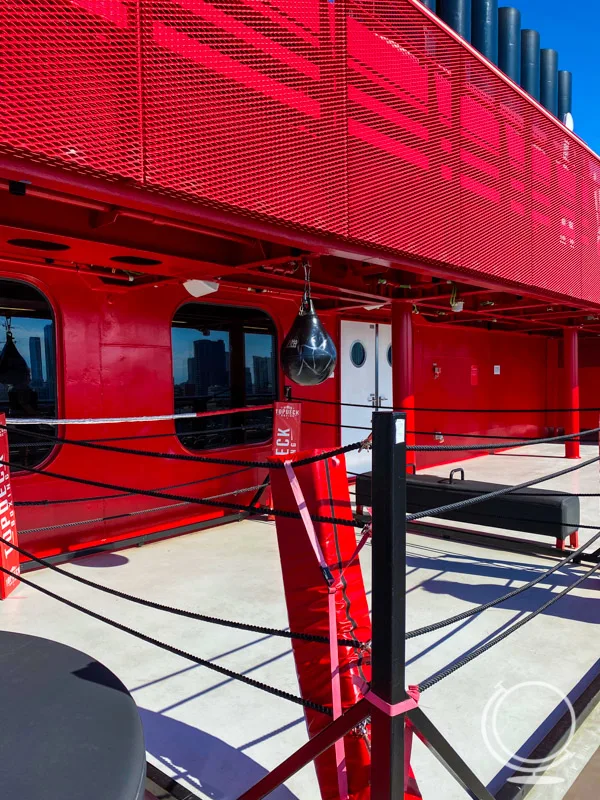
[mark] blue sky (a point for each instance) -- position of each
(572, 27)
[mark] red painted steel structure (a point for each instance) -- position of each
(114, 359)
(572, 389)
(183, 130)
(371, 125)
(403, 364)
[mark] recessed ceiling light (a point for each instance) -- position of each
(136, 261)
(38, 244)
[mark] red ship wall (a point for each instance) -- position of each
(114, 360)
(480, 372)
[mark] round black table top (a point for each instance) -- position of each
(70, 730)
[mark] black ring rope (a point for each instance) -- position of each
(122, 515)
(516, 440)
(500, 443)
(251, 509)
(570, 524)
(433, 448)
(436, 512)
(49, 502)
(184, 457)
(423, 686)
(211, 432)
(543, 493)
(505, 517)
(444, 673)
(292, 634)
(498, 437)
(93, 520)
(335, 425)
(435, 626)
(134, 513)
(175, 650)
(207, 432)
(181, 612)
(449, 410)
(527, 439)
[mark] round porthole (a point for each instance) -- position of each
(358, 354)
(389, 355)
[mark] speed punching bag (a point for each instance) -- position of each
(308, 354)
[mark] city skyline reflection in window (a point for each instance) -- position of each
(27, 369)
(223, 358)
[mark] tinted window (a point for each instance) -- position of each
(27, 369)
(358, 354)
(223, 358)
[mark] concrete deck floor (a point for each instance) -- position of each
(217, 736)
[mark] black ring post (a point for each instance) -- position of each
(389, 601)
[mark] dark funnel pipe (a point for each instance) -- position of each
(549, 80)
(530, 62)
(457, 14)
(509, 42)
(565, 93)
(429, 3)
(484, 28)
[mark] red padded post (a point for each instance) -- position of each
(324, 485)
(9, 558)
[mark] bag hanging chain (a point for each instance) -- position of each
(306, 304)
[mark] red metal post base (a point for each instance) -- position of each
(574, 540)
(561, 544)
(308, 752)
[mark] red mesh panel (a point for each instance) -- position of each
(555, 210)
(70, 86)
(245, 106)
(403, 162)
(365, 120)
(494, 204)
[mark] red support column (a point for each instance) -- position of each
(403, 367)
(571, 394)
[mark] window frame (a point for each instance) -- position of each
(237, 391)
(364, 353)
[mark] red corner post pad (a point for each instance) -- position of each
(325, 596)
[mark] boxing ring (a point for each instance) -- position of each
(223, 148)
(329, 506)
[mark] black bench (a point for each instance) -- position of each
(546, 514)
(70, 729)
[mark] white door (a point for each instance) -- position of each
(384, 365)
(358, 360)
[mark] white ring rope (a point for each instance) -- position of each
(116, 420)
